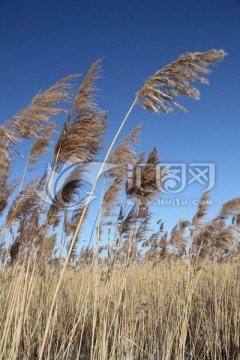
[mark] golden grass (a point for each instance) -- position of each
(165, 312)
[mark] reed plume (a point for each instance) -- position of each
(144, 186)
(24, 212)
(202, 210)
(25, 204)
(31, 121)
(81, 137)
(177, 237)
(143, 189)
(70, 227)
(159, 92)
(6, 191)
(127, 224)
(157, 243)
(143, 220)
(123, 156)
(214, 240)
(163, 246)
(231, 208)
(225, 240)
(7, 140)
(40, 145)
(228, 238)
(65, 196)
(197, 224)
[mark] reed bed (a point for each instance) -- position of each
(145, 313)
(139, 292)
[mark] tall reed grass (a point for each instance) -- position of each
(140, 293)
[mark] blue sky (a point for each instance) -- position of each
(43, 41)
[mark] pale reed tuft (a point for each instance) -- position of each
(86, 124)
(30, 122)
(123, 156)
(159, 91)
(230, 208)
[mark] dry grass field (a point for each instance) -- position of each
(163, 312)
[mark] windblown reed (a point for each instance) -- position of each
(141, 293)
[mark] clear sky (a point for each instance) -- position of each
(43, 41)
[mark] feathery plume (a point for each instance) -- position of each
(143, 219)
(39, 147)
(126, 226)
(202, 210)
(213, 240)
(65, 196)
(24, 210)
(5, 193)
(70, 227)
(159, 92)
(25, 204)
(123, 157)
(31, 121)
(177, 238)
(82, 134)
(163, 246)
(6, 189)
(230, 208)
(144, 179)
